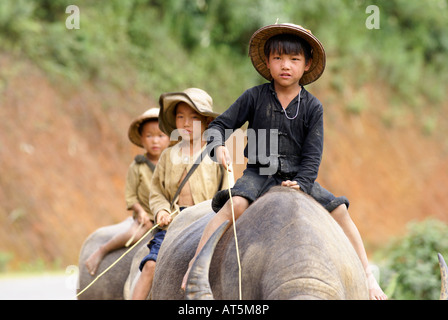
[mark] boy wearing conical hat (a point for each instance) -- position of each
(144, 132)
(290, 57)
(184, 115)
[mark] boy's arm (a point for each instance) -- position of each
(157, 197)
(142, 215)
(233, 118)
(311, 152)
(130, 191)
(131, 196)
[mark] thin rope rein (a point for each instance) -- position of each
(134, 235)
(236, 237)
(155, 226)
(121, 257)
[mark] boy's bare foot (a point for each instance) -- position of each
(375, 292)
(93, 261)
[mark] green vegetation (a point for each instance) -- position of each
(152, 46)
(164, 45)
(411, 265)
(5, 257)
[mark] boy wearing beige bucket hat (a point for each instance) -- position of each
(289, 56)
(184, 115)
(144, 132)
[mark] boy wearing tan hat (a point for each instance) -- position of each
(144, 132)
(184, 115)
(290, 57)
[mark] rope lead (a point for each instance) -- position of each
(230, 178)
(236, 238)
(121, 257)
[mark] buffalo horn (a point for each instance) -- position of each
(198, 285)
(444, 278)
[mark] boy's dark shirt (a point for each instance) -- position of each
(300, 141)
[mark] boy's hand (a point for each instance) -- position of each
(143, 217)
(291, 184)
(164, 218)
(223, 157)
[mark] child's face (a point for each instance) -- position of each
(153, 140)
(287, 69)
(188, 119)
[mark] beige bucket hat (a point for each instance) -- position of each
(259, 38)
(133, 132)
(196, 98)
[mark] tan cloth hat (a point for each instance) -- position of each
(133, 132)
(259, 38)
(196, 98)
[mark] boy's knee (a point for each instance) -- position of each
(240, 204)
(149, 266)
(341, 212)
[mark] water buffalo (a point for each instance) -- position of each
(290, 248)
(118, 283)
(110, 286)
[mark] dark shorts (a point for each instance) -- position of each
(252, 185)
(154, 247)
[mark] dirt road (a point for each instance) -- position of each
(41, 287)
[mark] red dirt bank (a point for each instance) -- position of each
(64, 155)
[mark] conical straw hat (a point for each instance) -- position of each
(259, 38)
(196, 98)
(133, 132)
